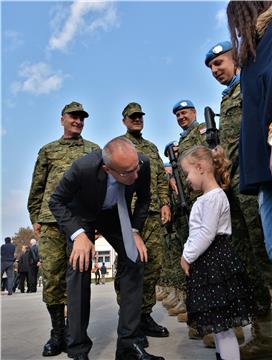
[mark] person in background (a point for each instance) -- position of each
(7, 259)
(103, 273)
(24, 269)
(34, 263)
(97, 274)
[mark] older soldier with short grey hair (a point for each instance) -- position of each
(53, 160)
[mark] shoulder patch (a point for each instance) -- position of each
(202, 129)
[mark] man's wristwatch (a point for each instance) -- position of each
(135, 230)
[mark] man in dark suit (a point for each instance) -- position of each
(7, 259)
(88, 199)
(34, 264)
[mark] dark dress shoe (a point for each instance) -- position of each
(142, 340)
(135, 352)
(81, 356)
(150, 328)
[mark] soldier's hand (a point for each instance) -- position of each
(37, 229)
(165, 214)
(172, 183)
(140, 247)
(83, 251)
(185, 265)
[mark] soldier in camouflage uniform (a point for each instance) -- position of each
(53, 160)
(247, 236)
(193, 133)
(158, 215)
(172, 274)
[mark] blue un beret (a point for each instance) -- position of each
(217, 50)
(183, 104)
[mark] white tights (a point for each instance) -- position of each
(227, 345)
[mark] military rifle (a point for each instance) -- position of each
(212, 133)
(169, 152)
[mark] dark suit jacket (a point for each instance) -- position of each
(79, 197)
(7, 252)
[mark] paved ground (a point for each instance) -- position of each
(25, 328)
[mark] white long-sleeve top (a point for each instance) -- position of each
(210, 216)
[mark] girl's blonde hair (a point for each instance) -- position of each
(215, 157)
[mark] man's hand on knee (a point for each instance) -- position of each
(83, 251)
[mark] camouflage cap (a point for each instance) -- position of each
(132, 108)
(74, 107)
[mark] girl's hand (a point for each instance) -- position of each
(185, 266)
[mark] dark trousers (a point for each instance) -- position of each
(33, 273)
(131, 287)
(8, 268)
(23, 275)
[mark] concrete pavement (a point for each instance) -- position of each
(25, 328)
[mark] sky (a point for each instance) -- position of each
(103, 55)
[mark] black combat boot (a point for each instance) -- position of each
(56, 344)
(149, 327)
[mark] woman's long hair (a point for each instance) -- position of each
(242, 19)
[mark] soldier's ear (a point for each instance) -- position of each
(62, 120)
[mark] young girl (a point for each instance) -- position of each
(219, 296)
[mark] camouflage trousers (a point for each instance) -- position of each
(53, 253)
(172, 273)
(152, 236)
(248, 241)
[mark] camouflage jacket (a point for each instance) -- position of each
(196, 136)
(159, 184)
(230, 123)
(53, 160)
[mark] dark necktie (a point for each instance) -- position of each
(128, 238)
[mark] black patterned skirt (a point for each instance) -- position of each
(219, 294)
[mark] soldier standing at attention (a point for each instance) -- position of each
(193, 133)
(158, 215)
(53, 160)
(247, 236)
